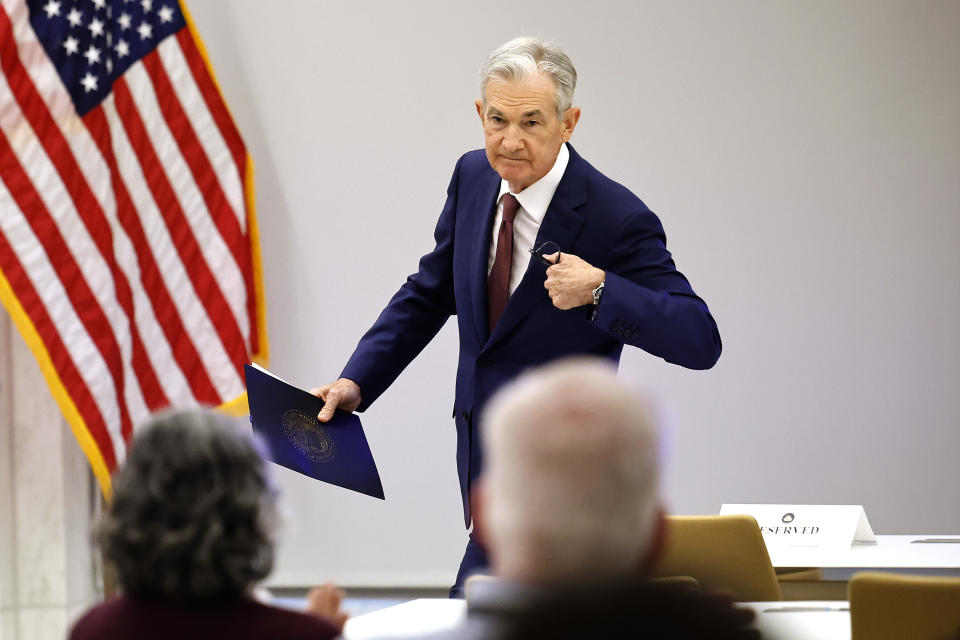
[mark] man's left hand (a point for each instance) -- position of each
(570, 280)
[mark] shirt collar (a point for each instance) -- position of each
(536, 198)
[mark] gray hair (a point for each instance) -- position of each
(571, 474)
(192, 512)
(522, 57)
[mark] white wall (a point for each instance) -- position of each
(48, 572)
(804, 158)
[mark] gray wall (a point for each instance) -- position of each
(804, 158)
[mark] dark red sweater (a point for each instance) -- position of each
(244, 619)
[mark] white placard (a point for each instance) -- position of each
(827, 526)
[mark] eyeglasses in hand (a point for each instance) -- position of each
(544, 250)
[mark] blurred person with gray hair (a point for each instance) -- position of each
(189, 532)
(538, 254)
(568, 507)
(570, 491)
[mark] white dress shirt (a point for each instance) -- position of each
(534, 201)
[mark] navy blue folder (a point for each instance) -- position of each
(286, 417)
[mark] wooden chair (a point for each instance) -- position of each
(888, 606)
(723, 553)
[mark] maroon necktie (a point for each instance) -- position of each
(498, 283)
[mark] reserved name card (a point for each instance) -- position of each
(828, 526)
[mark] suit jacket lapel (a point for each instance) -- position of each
(561, 225)
(484, 213)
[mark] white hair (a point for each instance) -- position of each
(571, 475)
(523, 57)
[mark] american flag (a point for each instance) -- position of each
(128, 246)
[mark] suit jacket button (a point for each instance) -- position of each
(484, 362)
(465, 415)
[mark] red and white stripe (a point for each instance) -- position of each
(124, 234)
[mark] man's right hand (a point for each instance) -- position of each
(342, 394)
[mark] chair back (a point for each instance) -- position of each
(723, 553)
(887, 606)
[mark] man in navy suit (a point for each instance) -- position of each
(538, 254)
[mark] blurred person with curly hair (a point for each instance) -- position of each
(189, 533)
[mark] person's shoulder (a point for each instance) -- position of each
(605, 193)
(474, 163)
(123, 618)
(286, 623)
(683, 613)
(628, 607)
(102, 620)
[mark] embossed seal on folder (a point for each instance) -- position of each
(308, 436)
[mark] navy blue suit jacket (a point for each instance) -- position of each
(646, 302)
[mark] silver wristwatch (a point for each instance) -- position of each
(597, 293)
